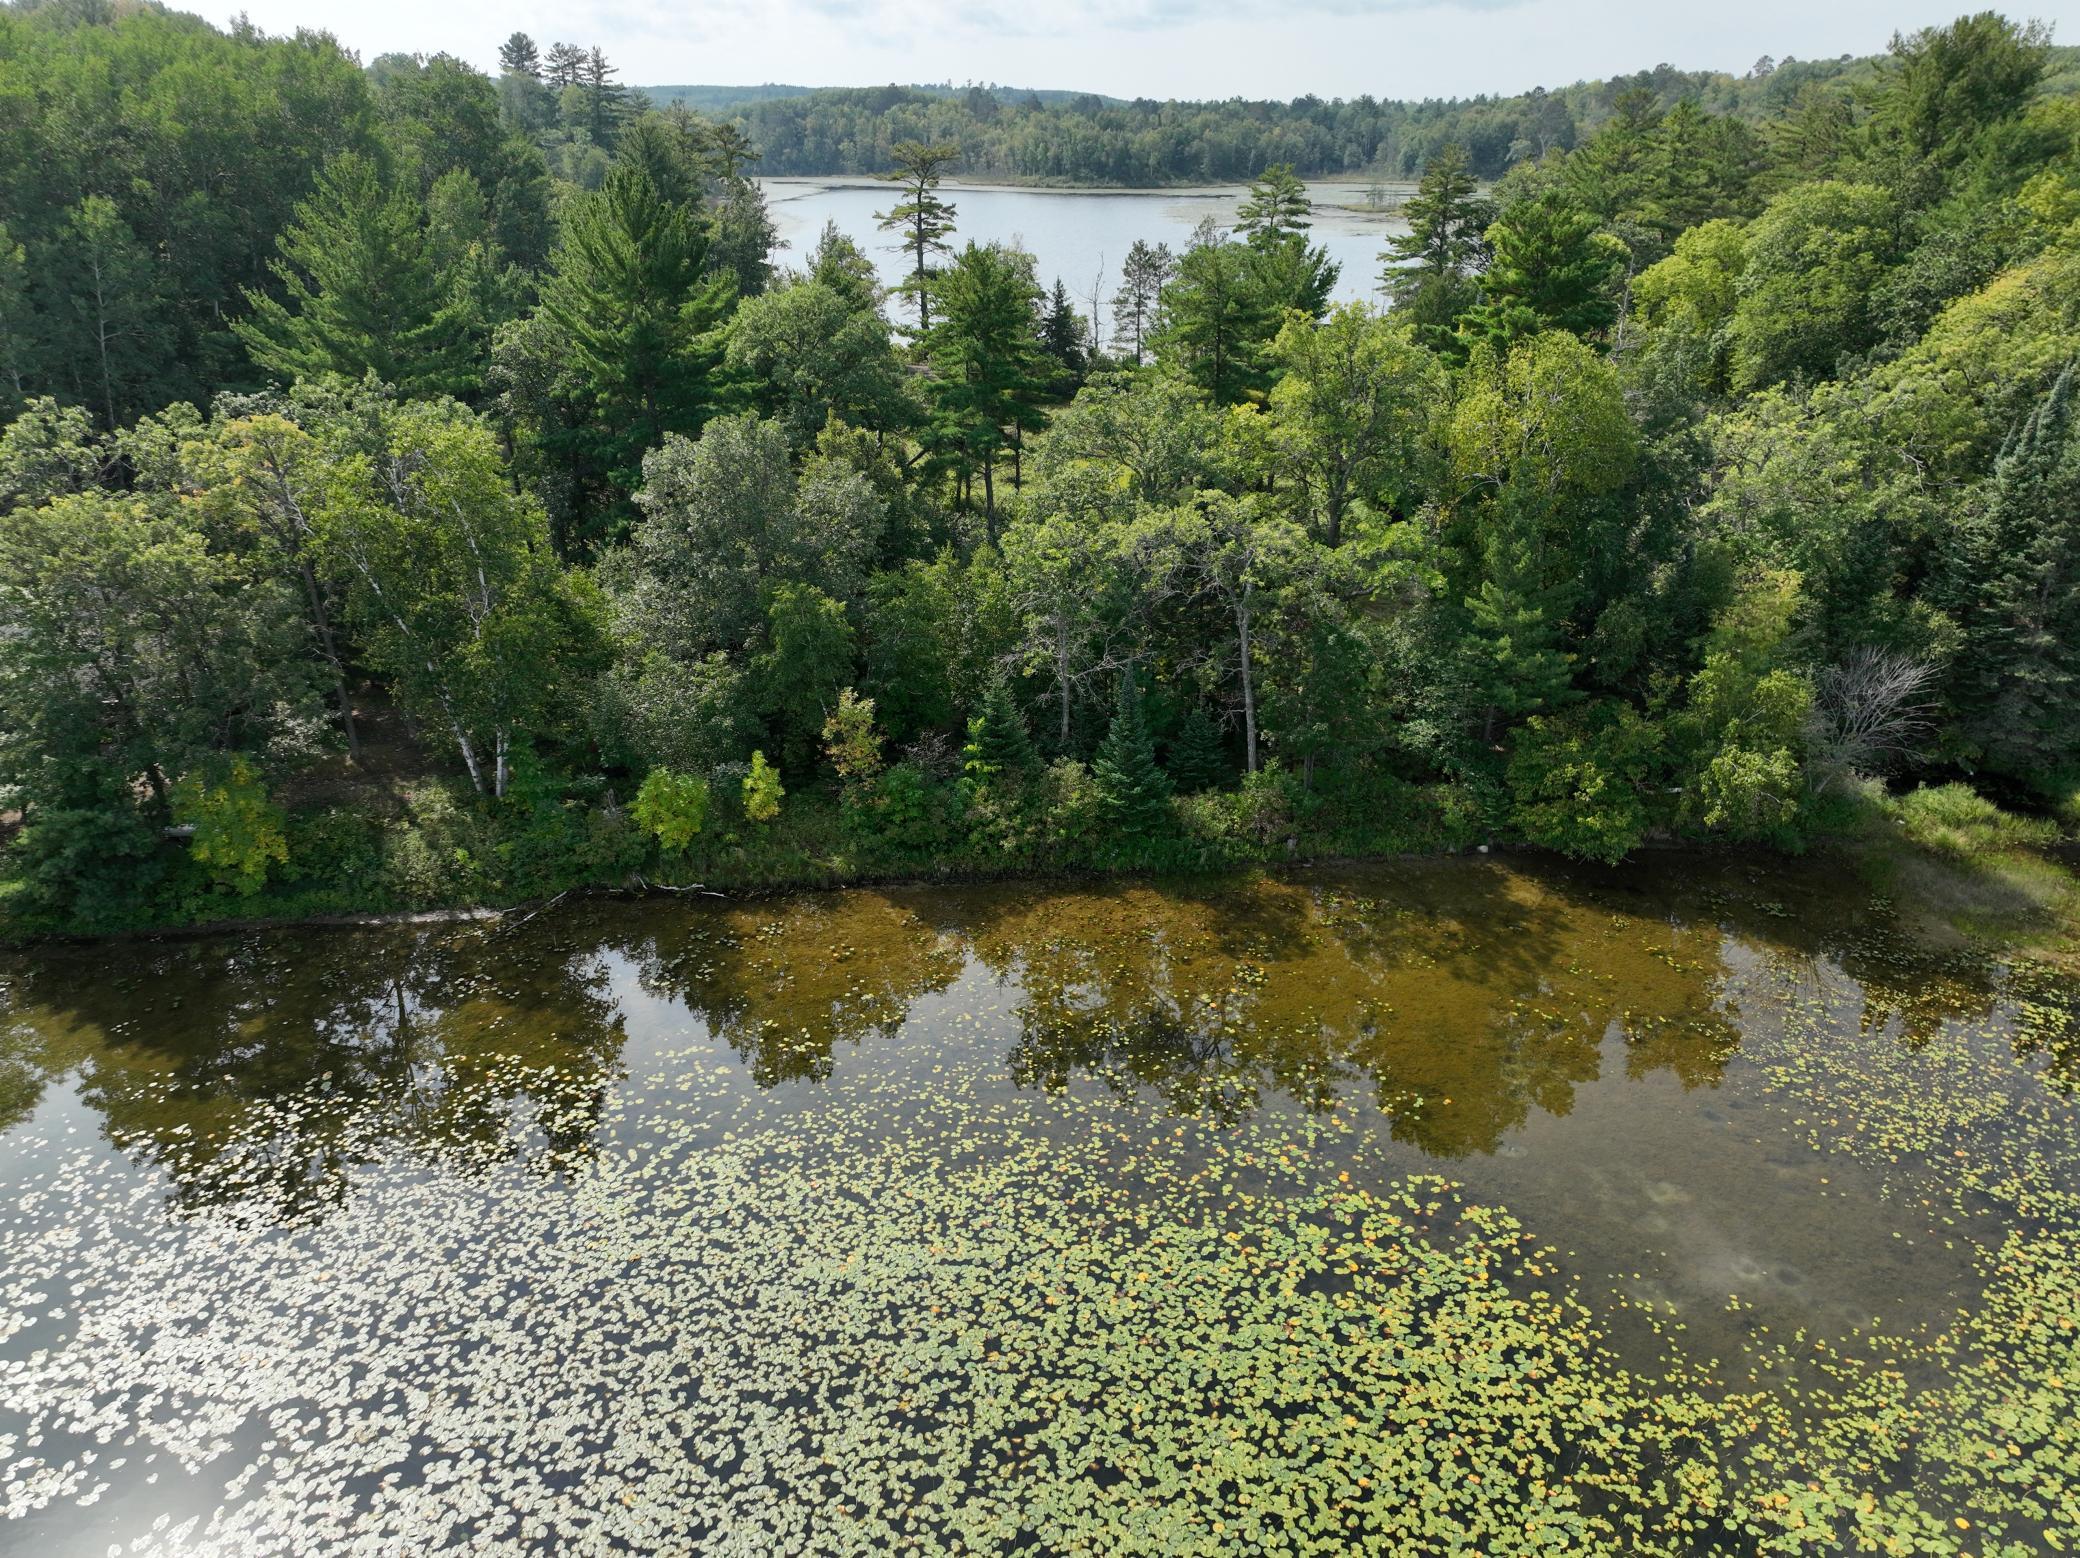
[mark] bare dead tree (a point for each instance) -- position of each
(1870, 711)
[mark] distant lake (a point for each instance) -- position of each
(1076, 234)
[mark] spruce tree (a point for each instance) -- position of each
(1196, 761)
(1061, 337)
(2014, 588)
(1000, 748)
(1133, 793)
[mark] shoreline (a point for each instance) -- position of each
(812, 182)
(2049, 937)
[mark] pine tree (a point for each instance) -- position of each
(517, 56)
(1276, 207)
(1135, 307)
(1429, 269)
(2015, 591)
(564, 66)
(1000, 748)
(363, 293)
(1217, 323)
(1552, 269)
(606, 100)
(924, 220)
(1061, 336)
(1196, 761)
(629, 293)
(986, 356)
(1133, 793)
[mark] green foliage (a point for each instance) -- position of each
(1496, 560)
(807, 661)
(763, 791)
(1133, 792)
(1956, 820)
(1550, 267)
(236, 830)
(1812, 264)
(1195, 761)
(672, 808)
(1353, 416)
(1578, 780)
(1744, 734)
(459, 602)
(810, 354)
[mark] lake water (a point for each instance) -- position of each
(1448, 1206)
(1078, 235)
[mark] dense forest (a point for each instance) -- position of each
(1080, 138)
(424, 487)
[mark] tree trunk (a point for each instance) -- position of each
(469, 755)
(1249, 686)
(323, 623)
(1061, 674)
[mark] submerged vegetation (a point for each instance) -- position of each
(1689, 1211)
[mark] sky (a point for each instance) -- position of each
(1152, 48)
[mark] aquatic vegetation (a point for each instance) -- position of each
(1122, 1221)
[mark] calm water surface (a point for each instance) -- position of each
(1514, 1207)
(1079, 235)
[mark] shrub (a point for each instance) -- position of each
(850, 740)
(672, 808)
(436, 853)
(237, 831)
(908, 811)
(89, 867)
(338, 850)
(763, 791)
(1577, 780)
(1070, 808)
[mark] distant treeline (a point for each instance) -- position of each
(1082, 138)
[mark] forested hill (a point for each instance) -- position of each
(727, 99)
(1079, 137)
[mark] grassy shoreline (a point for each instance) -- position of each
(1989, 884)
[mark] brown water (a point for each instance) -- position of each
(700, 1225)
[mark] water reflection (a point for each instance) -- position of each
(437, 1040)
(1459, 1000)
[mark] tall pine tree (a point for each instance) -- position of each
(629, 294)
(1430, 269)
(361, 292)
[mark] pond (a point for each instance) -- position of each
(1081, 235)
(1458, 1205)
